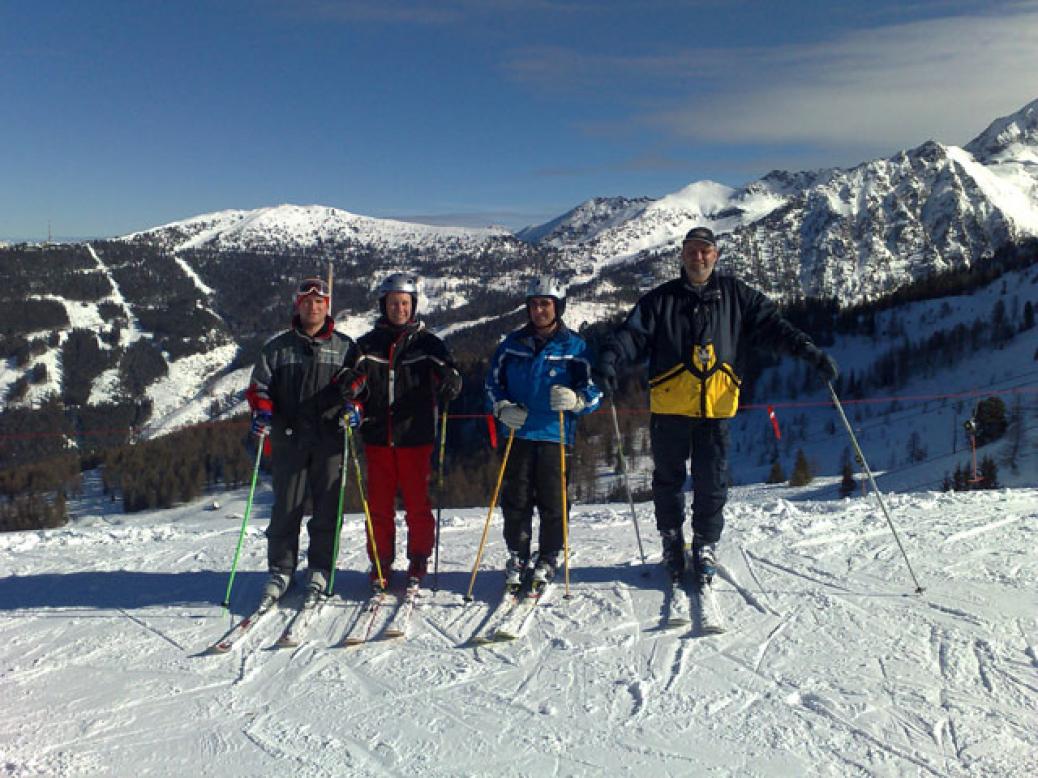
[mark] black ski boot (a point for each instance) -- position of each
(704, 562)
(515, 569)
(544, 571)
(673, 553)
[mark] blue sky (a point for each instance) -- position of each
(118, 116)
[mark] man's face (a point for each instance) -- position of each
(699, 259)
(542, 311)
(312, 310)
(398, 308)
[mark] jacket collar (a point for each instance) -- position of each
(708, 292)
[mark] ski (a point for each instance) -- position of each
(298, 626)
(239, 630)
(364, 627)
(401, 620)
(518, 619)
(509, 602)
(678, 606)
(707, 609)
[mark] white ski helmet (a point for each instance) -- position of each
(548, 286)
(399, 282)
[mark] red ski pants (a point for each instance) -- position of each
(405, 468)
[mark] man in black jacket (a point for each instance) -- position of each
(296, 409)
(407, 369)
(690, 329)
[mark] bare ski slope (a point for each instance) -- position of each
(830, 665)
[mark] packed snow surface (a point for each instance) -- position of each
(831, 664)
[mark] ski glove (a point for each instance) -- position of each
(604, 373)
(820, 361)
(351, 415)
(349, 383)
(511, 415)
(261, 423)
(565, 399)
(450, 385)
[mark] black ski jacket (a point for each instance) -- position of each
(292, 380)
(692, 336)
(404, 367)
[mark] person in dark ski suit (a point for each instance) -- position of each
(407, 370)
(297, 408)
(536, 372)
(691, 329)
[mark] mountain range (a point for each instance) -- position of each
(201, 290)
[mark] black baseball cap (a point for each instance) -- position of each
(703, 234)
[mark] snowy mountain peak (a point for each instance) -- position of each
(294, 227)
(1007, 134)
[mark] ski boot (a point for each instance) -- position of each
(544, 572)
(276, 586)
(381, 584)
(673, 553)
(515, 569)
(704, 562)
(316, 585)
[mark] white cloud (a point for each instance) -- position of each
(891, 86)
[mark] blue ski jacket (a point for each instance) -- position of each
(523, 370)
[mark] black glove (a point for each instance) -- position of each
(450, 385)
(820, 361)
(349, 383)
(604, 373)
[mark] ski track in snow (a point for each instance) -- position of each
(829, 666)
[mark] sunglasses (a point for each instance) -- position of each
(313, 286)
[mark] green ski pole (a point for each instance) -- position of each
(342, 503)
(245, 518)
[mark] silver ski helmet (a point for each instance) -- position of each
(548, 286)
(399, 282)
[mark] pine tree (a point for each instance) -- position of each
(847, 483)
(802, 474)
(776, 475)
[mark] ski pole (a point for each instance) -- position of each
(364, 504)
(342, 501)
(245, 518)
(439, 495)
(562, 478)
(627, 482)
(872, 481)
(490, 513)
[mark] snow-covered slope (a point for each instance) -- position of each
(830, 665)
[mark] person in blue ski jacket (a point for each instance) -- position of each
(538, 371)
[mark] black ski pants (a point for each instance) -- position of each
(674, 439)
(299, 468)
(533, 477)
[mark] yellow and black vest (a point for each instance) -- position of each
(703, 387)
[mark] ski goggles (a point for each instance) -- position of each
(312, 286)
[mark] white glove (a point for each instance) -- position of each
(565, 399)
(511, 415)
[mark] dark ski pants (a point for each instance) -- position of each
(299, 468)
(533, 478)
(674, 439)
(407, 469)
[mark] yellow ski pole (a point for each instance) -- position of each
(364, 504)
(565, 523)
(490, 512)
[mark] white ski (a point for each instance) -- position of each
(364, 627)
(709, 612)
(679, 607)
(509, 602)
(519, 618)
(298, 626)
(238, 631)
(401, 620)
